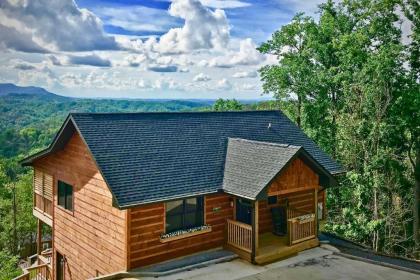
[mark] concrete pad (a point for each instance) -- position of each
(330, 248)
(332, 267)
(228, 270)
(314, 264)
(302, 256)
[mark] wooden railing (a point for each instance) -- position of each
(239, 235)
(293, 212)
(39, 272)
(43, 204)
(301, 228)
(46, 256)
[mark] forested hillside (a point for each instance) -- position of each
(349, 79)
(29, 119)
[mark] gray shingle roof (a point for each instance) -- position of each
(251, 165)
(147, 157)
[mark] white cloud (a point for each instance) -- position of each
(43, 25)
(224, 4)
(203, 28)
(223, 84)
(90, 60)
(247, 55)
(136, 18)
(201, 78)
(249, 87)
(162, 68)
(245, 74)
(22, 65)
(134, 60)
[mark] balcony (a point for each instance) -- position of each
(43, 206)
(43, 209)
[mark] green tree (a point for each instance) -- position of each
(227, 105)
(355, 95)
(8, 267)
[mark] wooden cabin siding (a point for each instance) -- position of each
(147, 223)
(92, 237)
(296, 177)
(303, 200)
(296, 185)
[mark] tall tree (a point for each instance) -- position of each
(290, 78)
(360, 103)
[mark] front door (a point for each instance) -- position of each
(59, 275)
(244, 211)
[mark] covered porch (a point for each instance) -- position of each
(275, 191)
(260, 240)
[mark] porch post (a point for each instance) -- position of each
(254, 230)
(38, 239)
(316, 211)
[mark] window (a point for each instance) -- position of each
(184, 214)
(272, 200)
(65, 195)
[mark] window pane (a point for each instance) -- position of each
(173, 223)
(191, 204)
(69, 197)
(190, 220)
(174, 207)
(272, 200)
(61, 193)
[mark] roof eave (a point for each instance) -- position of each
(30, 159)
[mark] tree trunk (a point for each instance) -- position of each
(14, 209)
(416, 218)
(299, 112)
(375, 217)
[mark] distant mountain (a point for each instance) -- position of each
(12, 89)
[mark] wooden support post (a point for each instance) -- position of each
(254, 231)
(39, 239)
(256, 226)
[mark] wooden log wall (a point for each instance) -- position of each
(295, 185)
(92, 237)
(147, 223)
(296, 177)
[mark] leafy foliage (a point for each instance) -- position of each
(352, 85)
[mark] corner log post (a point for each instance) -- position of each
(254, 231)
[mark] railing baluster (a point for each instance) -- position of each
(239, 235)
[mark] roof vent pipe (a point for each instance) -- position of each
(269, 125)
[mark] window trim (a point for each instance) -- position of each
(184, 212)
(70, 211)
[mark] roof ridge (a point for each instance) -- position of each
(177, 112)
(266, 143)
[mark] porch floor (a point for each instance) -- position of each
(272, 247)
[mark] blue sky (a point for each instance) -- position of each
(141, 49)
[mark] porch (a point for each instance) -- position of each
(258, 241)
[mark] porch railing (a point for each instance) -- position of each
(301, 228)
(239, 235)
(43, 204)
(39, 272)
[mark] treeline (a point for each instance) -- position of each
(28, 123)
(351, 81)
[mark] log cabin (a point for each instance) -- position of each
(119, 191)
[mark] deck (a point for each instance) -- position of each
(272, 247)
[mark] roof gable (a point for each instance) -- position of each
(149, 157)
(251, 165)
